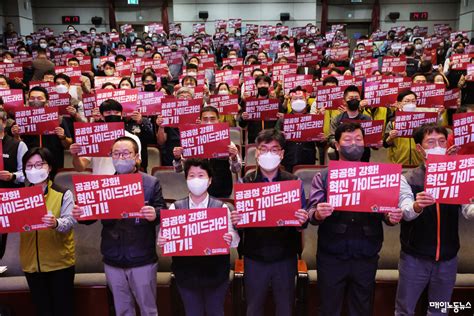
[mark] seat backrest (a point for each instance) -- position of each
(306, 174)
(173, 184)
(68, 159)
(466, 238)
(236, 135)
(250, 151)
(390, 252)
(11, 259)
(87, 239)
(154, 157)
(310, 242)
(64, 178)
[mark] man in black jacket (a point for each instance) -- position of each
(429, 233)
(348, 242)
(128, 245)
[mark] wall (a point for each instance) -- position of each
(258, 12)
(439, 11)
(2, 18)
(466, 16)
(20, 13)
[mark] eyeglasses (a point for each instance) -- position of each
(38, 165)
(432, 143)
(124, 155)
(273, 150)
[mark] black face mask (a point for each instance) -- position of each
(353, 105)
(149, 87)
(113, 118)
(263, 91)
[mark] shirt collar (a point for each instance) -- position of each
(203, 204)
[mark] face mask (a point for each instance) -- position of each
(149, 87)
(23, 53)
(237, 34)
(123, 166)
(138, 43)
(409, 34)
(352, 152)
(36, 176)
(269, 161)
(97, 50)
(61, 88)
(140, 54)
(460, 51)
(66, 49)
(353, 105)
(92, 33)
(29, 42)
(109, 72)
(409, 107)
(435, 151)
(223, 92)
(154, 39)
(36, 104)
(113, 118)
(179, 42)
(298, 105)
(418, 47)
(312, 31)
(71, 30)
(263, 91)
(192, 74)
(8, 61)
(311, 46)
(197, 186)
(43, 45)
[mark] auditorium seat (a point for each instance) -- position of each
(306, 173)
(68, 159)
(63, 177)
(250, 151)
(154, 156)
(236, 136)
(173, 184)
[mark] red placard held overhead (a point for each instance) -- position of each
(21, 209)
(309, 59)
(450, 179)
(12, 99)
(292, 81)
(128, 98)
(149, 103)
(179, 111)
(261, 109)
(460, 61)
(381, 94)
(373, 131)
(338, 54)
(452, 98)
(205, 140)
(109, 197)
(429, 95)
(268, 204)
(303, 128)
(196, 232)
(89, 103)
(37, 121)
(363, 186)
(365, 67)
(226, 104)
(463, 130)
(97, 138)
(279, 71)
(406, 122)
(330, 97)
(11, 70)
(394, 64)
(231, 77)
(72, 72)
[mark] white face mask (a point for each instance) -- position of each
(223, 92)
(298, 105)
(43, 45)
(197, 186)
(8, 61)
(409, 107)
(61, 88)
(418, 47)
(109, 72)
(311, 46)
(435, 151)
(269, 161)
(36, 176)
(140, 54)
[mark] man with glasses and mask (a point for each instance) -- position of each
(110, 111)
(270, 254)
(429, 232)
(130, 264)
(348, 242)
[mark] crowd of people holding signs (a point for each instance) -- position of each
(299, 96)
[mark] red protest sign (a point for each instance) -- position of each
(21, 209)
(373, 131)
(450, 179)
(72, 72)
(85, 63)
(279, 71)
(249, 87)
(196, 232)
(99, 81)
(460, 61)
(89, 103)
(261, 109)
(231, 77)
(11, 70)
(205, 140)
(12, 99)
(61, 101)
(149, 103)
(365, 67)
(363, 186)
(97, 138)
(236, 63)
(330, 97)
(248, 69)
(406, 122)
(309, 59)
(452, 98)
(394, 64)
(303, 128)
(123, 68)
(1, 156)
(338, 54)
(429, 95)
(292, 81)
(268, 204)
(463, 130)
(179, 111)
(127, 97)
(109, 197)
(363, 53)
(381, 94)
(226, 104)
(37, 121)
(470, 72)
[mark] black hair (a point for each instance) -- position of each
(148, 74)
(457, 44)
(265, 78)
(257, 69)
(128, 139)
(189, 77)
(78, 50)
(420, 132)
(192, 66)
(351, 88)
(110, 105)
(200, 163)
(107, 84)
(62, 76)
(120, 56)
(73, 59)
(209, 108)
(45, 154)
(268, 135)
(330, 79)
(404, 93)
(109, 63)
(418, 74)
(128, 80)
(40, 89)
(222, 84)
(347, 127)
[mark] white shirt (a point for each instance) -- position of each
(204, 204)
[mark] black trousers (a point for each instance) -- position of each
(354, 277)
(52, 292)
